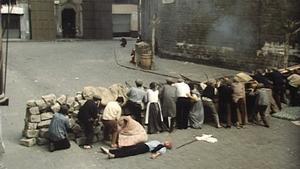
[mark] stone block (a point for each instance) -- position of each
(55, 108)
(72, 122)
(30, 133)
(28, 142)
(70, 101)
(30, 126)
(78, 97)
(81, 102)
(46, 116)
(42, 141)
(49, 99)
(62, 99)
(44, 133)
(34, 110)
(30, 103)
(44, 124)
(41, 104)
(76, 106)
(75, 113)
(34, 118)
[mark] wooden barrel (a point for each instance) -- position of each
(146, 61)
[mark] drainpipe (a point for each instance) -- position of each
(3, 99)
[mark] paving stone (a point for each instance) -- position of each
(70, 101)
(62, 99)
(30, 103)
(41, 104)
(42, 141)
(46, 116)
(44, 133)
(44, 124)
(34, 118)
(81, 102)
(29, 142)
(34, 110)
(55, 108)
(76, 106)
(31, 126)
(78, 96)
(75, 113)
(49, 99)
(30, 133)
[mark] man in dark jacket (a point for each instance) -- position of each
(87, 116)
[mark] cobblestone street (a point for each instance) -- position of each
(40, 68)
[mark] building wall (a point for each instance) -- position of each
(42, 19)
(226, 33)
(97, 19)
(132, 11)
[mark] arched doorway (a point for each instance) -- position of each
(69, 23)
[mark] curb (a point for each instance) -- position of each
(140, 69)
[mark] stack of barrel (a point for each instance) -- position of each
(143, 54)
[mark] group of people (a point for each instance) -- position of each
(176, 104)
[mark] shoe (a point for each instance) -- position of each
(87, 147)
(219, 126)
(51, 147)
(114, 146)
(227, 126)
(104, 150)
(110, 155)
(267, 125)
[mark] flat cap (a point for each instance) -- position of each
(97, 97)
(138, 82)
(180, 80)
(170, 80)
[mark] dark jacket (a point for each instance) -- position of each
(88, 112)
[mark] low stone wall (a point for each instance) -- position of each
(39, 113)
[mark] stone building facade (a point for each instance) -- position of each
(87, 19)
(241, 34)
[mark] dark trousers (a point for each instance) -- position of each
(110, 127)
(88, 131)
(227, 109)
(61, 144)
(261, 109)
(171, 125)
(294, 96)
(277, 97)
(182, 112)
(135, 110)
(140, 148)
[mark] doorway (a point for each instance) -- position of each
(68, 23)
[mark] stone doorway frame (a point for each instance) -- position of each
(76, 5)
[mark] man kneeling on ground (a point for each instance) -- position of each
(155, 147)
(58, 129)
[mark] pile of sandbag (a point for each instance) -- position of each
(40, 112)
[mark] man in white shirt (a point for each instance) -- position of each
(111, 114)
(182, 104)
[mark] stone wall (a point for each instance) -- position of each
(42, 19)
(39, 113)
(224, 33)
